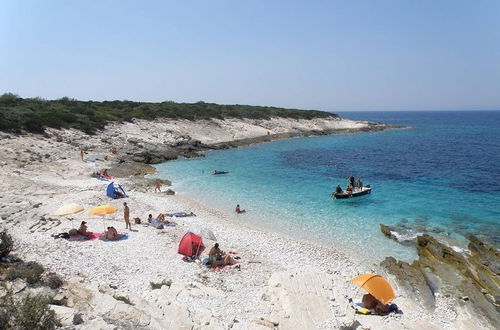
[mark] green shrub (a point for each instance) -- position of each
(124, 299)
(30, 271)
(6, 244)
(158, 285)
(34, 313)
(53, 281)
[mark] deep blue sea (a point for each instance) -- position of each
(440, 175)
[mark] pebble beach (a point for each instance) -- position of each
(282, 282)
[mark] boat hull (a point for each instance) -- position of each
(365, 191)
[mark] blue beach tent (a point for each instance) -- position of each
(115, 191)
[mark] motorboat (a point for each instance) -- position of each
(219, 172)
(356, 192)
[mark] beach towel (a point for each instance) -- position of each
(92, 237)
(125, 236)
(174, 214)
(102, 179)
(360, 309)
(156, 224)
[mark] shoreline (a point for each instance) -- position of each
(268, 287)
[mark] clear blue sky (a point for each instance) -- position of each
(329, 55)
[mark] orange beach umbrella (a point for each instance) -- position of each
(377, 286)
(102, 210)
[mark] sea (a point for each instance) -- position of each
(439, 175)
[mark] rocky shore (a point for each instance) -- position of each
(470, 275)
(142, 282)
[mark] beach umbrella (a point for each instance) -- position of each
(377, 286)
(68, 209)
(103, 210)
(203, 232)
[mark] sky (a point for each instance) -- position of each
(328, 55)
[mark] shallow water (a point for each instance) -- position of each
(440, 174)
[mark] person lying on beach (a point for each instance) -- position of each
(83, 229)
(217, 257)
(370, 302)
(181, 214)
(112, 234)
(161, 218)
(238, 210)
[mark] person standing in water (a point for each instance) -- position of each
(126, 215)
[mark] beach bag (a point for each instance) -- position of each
(73, 232)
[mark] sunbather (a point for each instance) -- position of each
(217, 257)
(83, 229)
(370, 302)
(112, 234)
(181, 214)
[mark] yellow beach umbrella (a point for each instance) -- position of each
(68, 209)
(102, 210)
(377, 286)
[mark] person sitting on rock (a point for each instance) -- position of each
(83, 230)
(217, 257)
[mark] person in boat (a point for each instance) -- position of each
(360, 184)
(239, 210)
(349, 189)
(351, 180)
(338, 190)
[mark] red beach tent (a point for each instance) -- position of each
(191, 245)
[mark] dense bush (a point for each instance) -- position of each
(53, 281)
(6, 244)
(30, 271)
(34, 114)
(32, 312)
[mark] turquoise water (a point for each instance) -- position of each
(440, 174)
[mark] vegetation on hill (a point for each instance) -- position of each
(35, 114)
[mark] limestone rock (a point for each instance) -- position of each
(412, 279)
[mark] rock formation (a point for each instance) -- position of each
(473, 279)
